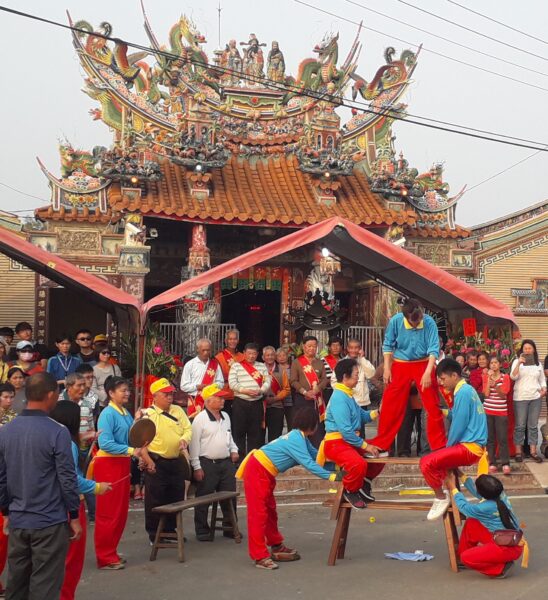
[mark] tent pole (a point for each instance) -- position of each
(140, 354)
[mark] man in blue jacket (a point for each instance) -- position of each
(466, 439)
(38, 494)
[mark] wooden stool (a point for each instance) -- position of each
(177, 508)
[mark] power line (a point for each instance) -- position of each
(493, 39)
(498, 22)
(389, 112)
(440, 37)
(501, 172)
(22, 193)
(436, 53)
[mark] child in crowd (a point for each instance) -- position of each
(7, 394)
(496, 387)
(466, 438)
(478, 548)
(259, 470)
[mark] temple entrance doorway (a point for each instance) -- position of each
(256, 314)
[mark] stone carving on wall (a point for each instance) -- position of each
(78, 241)
(437, 254)
(532, 301)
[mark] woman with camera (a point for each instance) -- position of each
(529, 389)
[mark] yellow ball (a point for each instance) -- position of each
(371, 519)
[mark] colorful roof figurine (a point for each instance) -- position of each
(237, 139)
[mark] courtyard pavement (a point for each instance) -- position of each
(222, 570)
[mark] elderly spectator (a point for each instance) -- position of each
(38, 489)
(366, 371)
(250, 381)
(101, 372)
(276, 395)
(173, 434)
(198, 373)
(330, 360)
(471, 364)
(90, 399)
(7, 414)
(212, 454)
(226, 358)
(17, 377)
(309, 380)
(282, 358)
(63, 363)
(4, 366)
(84, 339)
(529, 389)
(23, 331)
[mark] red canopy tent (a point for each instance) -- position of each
(381, 260)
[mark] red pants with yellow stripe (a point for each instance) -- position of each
(478, 551)
(112, 508)
(74, 563)
(3, 548)
(262, 517)
(352, 462)
(394, 404)
(434, 466)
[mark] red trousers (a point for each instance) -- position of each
(112, 508)
(394, 405)
(262, 517)
(74, 563)
(352, 462)
(434, 466)
(3, 548)
(478, 551)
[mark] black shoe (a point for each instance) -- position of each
(518, 458)
(355, 498)
(505, 571)
(365, 491)
(204, 537)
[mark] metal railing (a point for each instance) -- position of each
(181, 338)
(371, 339)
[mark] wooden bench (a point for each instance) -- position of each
(342, 510)
(177, 508)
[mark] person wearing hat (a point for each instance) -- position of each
(173, 435)
(25, 358)
(213, 455)
(41, 353)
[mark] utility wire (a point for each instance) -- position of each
(484, 35)
(22, 193)
(501, 172)
(498, 22)
(436, 53)
(440, 37)
(386, 112)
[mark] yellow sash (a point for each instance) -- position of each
(320, 458)
(483, 464)
(525, 556)
(262, 458)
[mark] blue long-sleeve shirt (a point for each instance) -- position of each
(114, 424)
(38, 486)
(343, 415)
(468, 421)
(485, 511)
(408, 343)
(85, 486)
(294, 449)
(60, 366)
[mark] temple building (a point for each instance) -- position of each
(214, 156)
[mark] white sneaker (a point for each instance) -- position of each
(439, 508)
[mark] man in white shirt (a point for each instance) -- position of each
(198, 373)
(365, 371)
(250, 381)
(213, 455)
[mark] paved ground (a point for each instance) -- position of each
(223, 571)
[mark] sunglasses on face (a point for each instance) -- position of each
(104, 352)
(84, 339)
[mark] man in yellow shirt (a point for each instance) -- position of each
(173, 435)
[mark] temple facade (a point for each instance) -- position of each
(215, 155)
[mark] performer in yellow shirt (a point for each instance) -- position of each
(173, 435)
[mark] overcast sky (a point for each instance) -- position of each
(42, 101)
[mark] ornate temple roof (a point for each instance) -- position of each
(238, 140)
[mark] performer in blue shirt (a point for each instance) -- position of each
(258, 471)
(478, 549)
(467, 436)
(411, 348)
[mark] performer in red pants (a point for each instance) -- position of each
(112, 463)
(477, 548)
(467, 436)
(342, 443)
(258, 471)
(411, 347)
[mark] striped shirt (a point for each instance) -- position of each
(495, 403)
(239, 379)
